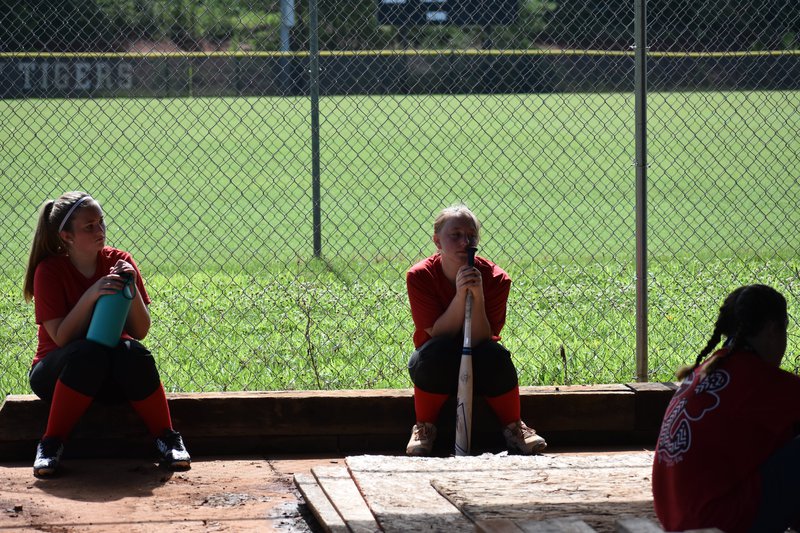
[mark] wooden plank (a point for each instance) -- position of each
(496, 525)
(348, 421)
(321, 507)
(652, 400)
(399, 493)
(583, 389)
(637, 525)
(643, 525)
(338, 486)
(658, 387)
(386, 411)
(556, 525)
(595, 488)
(579, 408)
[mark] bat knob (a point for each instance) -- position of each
(471, 255)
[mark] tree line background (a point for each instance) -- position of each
(194, 25)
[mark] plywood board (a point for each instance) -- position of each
(338, 486)
(321, 507)
(558, 525)
(399, 493)
(638, 525)
(496, 525)
(597, 489)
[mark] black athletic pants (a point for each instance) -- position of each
(125, 372)
(780, 490)
(435, 365)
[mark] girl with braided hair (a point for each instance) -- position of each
(728, 453)
(69, 269)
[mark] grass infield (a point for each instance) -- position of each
(213, 198)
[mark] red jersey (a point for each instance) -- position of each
(716, 434)
(430, 293)
(58, 285)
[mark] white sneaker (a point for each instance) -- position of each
(48, 457)
(422, 437)
(521, 439)
(173, 452)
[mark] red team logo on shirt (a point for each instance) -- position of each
(675, 438)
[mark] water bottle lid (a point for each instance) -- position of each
(129, 290)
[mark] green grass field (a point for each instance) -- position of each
(213, 198)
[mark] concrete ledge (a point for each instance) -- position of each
(343, 422)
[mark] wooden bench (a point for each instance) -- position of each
(341, 422)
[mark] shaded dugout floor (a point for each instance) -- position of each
(259, 493)
(248, 447)
(135, 495)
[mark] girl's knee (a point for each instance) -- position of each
(86, 368)
(494, 371)
(134, 370)
(434, 366)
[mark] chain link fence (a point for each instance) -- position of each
(275, 168)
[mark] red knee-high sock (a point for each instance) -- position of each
(428, 404)
(154, 410)
(506, 406)
(66, 408)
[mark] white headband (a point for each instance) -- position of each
(71, 209)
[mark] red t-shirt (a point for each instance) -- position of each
(716, 434)
(430, 293)
(58, 285)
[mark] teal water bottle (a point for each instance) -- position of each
(110, 314)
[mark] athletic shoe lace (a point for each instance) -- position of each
(525, 431)
(50, 448)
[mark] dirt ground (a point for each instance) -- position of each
(133, 495)
(217, 494)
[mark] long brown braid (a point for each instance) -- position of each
(743, 313)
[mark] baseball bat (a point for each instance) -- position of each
(464, 396)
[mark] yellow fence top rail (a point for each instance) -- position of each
(346, 53)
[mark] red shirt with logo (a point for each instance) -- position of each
(716, 433)
(58, 285)
(430, 293)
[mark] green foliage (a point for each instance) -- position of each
(675, 25)
(102, 25)
(187, 22)
(46, 26)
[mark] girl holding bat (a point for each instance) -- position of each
(69, 269)
(437, 290)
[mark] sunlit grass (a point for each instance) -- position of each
(213, 198)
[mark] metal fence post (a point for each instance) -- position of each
(287, 23)
(314, 86)
(640, 99)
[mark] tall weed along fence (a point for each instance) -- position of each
(276, 169)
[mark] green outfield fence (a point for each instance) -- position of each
(276, 168)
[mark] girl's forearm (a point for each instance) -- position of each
(481, 329)
(138, 323)
(75, 324)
